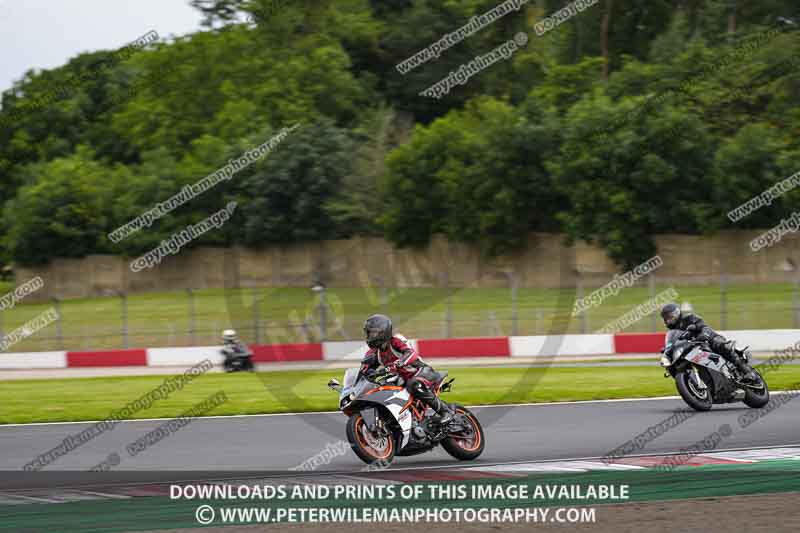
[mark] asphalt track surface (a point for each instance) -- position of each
(513, 434)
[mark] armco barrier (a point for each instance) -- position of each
(555, 345)
(271, 353)
(34, 360)
(760, 340)
(183, 356)
(638, 342)
(135, 357)
(532, 346)
(477, 347)
(344, 350)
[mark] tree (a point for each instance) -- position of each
(356, 206)
(475, 175)
(285, 196)
(648, 176)
(63, 209)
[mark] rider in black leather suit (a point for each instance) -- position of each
(697, 329)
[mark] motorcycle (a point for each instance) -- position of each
(237, 361)
(704, 378)
(385, 421)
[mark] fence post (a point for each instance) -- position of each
(493, 329)
(86, 338)
(59, 330)
(191, 316)
(723, 302)
(124, 303)
(319, 288)
(257, 315)
(323, 315)
(514, 315)
(796, 304)
(2, 333)
(449, 321)
(651, 283)
(582, 318)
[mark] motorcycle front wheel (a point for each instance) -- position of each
(368, 446)
(697, 398)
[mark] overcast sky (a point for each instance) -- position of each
(43, 34)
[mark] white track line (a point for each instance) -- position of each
(537, 404)
(572, 459)
(31, 498)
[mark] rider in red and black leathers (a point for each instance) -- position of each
(696, 328)
(395, 353)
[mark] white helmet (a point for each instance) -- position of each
(229, 335)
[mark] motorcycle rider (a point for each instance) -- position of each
(394, 352)
(237, 355)
(697, 329)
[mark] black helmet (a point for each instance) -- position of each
(377, 330)
(671, 313)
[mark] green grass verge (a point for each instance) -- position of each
(56, 400)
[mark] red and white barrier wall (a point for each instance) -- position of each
(533, 346)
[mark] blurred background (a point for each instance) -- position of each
(630, 130)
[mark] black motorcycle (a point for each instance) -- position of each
(704, 378)
(237, 359)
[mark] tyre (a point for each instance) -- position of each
(368, 447)
(757, 397)
(466, 445)
(697, 399)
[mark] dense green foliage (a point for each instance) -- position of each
(632, 119)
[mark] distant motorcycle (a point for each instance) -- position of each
(384, 420)
(237, 359)
(704, 378)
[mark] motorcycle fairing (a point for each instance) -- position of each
(395, 399)
(723, 388)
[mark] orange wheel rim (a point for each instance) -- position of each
(369, 448)
(473, 442)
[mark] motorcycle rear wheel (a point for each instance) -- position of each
(366, 446)
(469, 445)
(757, 398)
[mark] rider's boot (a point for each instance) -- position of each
(747, 372)
(444, 411)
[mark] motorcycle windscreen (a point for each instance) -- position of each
(350, 376)
(672, 336)
(349, 380)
